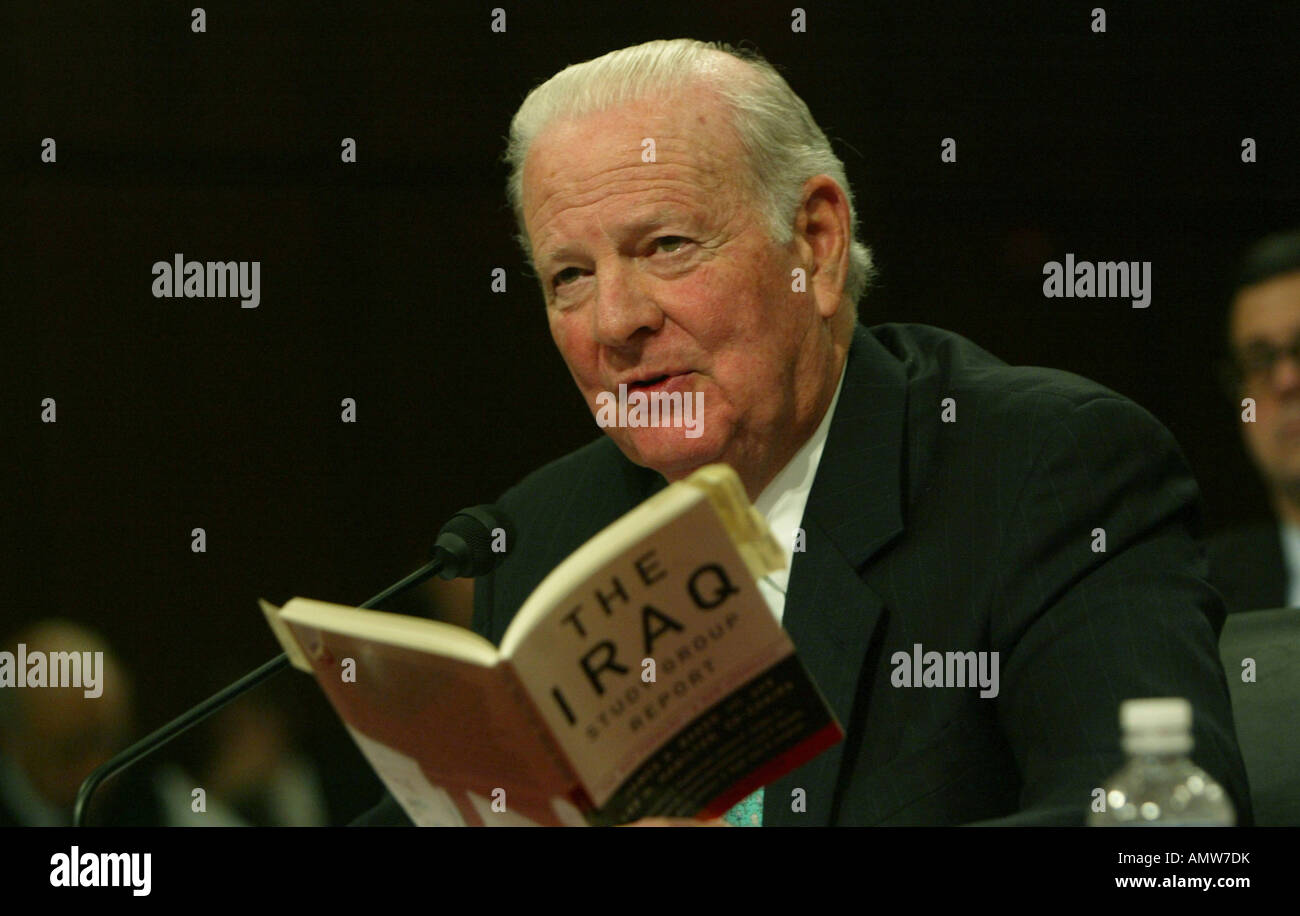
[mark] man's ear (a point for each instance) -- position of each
(822, 236)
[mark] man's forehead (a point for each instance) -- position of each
(690, 130)
(1268, 310)
(629, 169)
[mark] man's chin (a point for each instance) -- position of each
(667, 450)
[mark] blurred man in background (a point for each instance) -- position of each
(1258, 566)
(52, 737)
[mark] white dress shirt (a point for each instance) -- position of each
(783, 500)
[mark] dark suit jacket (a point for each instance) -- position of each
(977, 534)
(1247, 567)
(128, 800)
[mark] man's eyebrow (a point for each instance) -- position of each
(551, 255)
(658, 218)
(1264, 339)
(634, 229)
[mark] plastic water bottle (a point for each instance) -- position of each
(1160, 786)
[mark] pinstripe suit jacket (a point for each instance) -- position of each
(978, 534)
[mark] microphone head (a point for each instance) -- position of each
(474, 541)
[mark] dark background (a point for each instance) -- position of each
(183, 413)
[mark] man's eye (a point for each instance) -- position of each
(1257, 361)
(567, 275)
(671, 243)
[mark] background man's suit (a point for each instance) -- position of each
(1248, 568)
(977, 534)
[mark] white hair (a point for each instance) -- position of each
(781, 142)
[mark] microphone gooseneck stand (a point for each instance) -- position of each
(464, 541)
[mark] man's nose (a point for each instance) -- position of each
(623, 305)
(1286, 374)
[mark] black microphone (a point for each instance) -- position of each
(465, 544)
(464, 547)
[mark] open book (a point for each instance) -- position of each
(645, 675)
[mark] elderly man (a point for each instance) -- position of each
(1258, 566)
(693, 232)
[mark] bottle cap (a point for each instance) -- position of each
(1161, 725)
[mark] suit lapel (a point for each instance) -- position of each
(853, 511)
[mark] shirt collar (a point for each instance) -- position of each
(1291, 555)
(783, 500)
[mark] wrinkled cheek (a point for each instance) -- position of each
(579, 352)
(561, 332)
